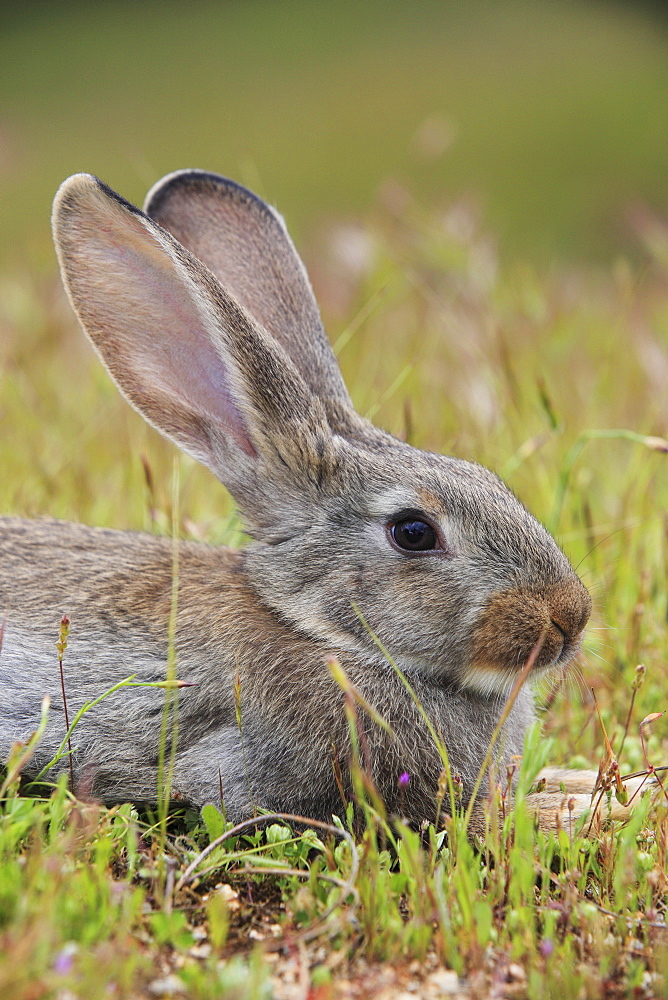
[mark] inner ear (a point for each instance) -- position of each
(245, 243)
(155, 317)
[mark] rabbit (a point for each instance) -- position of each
(406, 567)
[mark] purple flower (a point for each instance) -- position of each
(404, 779)
(64, 960)
(546, 947)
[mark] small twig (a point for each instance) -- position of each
(651, 773)
(640, 774)
(646, 775)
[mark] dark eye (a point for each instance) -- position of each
(414, 535)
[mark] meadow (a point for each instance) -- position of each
(530, 335)
(99, 902)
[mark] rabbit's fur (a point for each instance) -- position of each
(203, 314)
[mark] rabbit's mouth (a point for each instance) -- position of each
(498, 678)
(519, 626)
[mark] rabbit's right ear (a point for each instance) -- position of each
(245, 243)
(179, 346)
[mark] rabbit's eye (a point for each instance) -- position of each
(414, 535)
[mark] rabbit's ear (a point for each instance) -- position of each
(180, 347)
(244, 242)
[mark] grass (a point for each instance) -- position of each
(522, 370)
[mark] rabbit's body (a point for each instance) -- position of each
(357, 538)
(291, 710)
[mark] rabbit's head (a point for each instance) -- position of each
(434, 556)
(202, 312)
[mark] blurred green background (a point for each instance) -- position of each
(553, 116)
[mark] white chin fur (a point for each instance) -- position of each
(492, 680)
(488, 680)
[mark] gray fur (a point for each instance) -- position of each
(234, 366)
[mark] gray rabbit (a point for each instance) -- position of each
(202, 312)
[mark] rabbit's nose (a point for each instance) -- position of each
(515, 620)
(570, 608)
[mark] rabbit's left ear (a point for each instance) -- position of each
(183, 351)
(246, 245)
